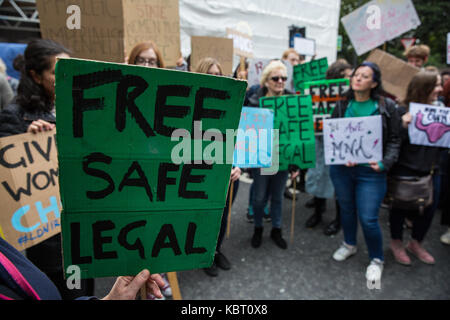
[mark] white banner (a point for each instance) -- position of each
(430, 125)
(357, 140)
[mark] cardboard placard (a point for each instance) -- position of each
(220, 49)
(254, 139)
(325, 94)
(128, 203)
(29, 189)
(379, 21)
(357, 140)
(309, 71)
(430, 125)
(396, 74)
(242, 43)
(109, 29)
(293, 119)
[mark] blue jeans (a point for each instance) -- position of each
(360, 192)
(267, 187)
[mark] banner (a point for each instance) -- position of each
(29, 189)
(293, 119)
(309, 71)
(107, 30)
(357, 140)
(430, 125)
(379, 21)
(217, 48)
(396, 74)
(145, 163)
(254, 139)
(325, 95)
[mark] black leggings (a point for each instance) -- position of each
(224, 224)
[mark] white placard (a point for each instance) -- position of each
(305, 46)
(357, 140)
(430, 125)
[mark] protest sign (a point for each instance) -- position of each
(430, 125)
(242, 43)
(254, 139)
(293, 119)
(325, 94)
(357, 140)
(396, 73)
(109, 29)
(130, 200)
(379, 21)
(29, 189)
(256, 67)
(309, 71)
(220, 49)
(448, 48)
(305, 46)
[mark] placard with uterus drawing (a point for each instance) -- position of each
(430, 125)
(355, 140)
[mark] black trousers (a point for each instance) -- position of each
(224, 223)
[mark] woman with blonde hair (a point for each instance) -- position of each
(146, 54)
(273, 81)
(209, 65)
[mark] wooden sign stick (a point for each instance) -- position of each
(173, 280)
(293, 211)
(230, 202)
(143, 292)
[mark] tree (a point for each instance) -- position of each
(434, 16)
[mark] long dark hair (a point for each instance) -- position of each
(377, 92)
(420, 88)
(37, 56)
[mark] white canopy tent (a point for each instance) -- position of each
(267, 21)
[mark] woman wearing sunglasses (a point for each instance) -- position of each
(273, 81)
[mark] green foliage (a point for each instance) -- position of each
(434, 16)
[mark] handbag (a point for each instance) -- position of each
(410, 193)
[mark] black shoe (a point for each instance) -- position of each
(310, 203)
(313, 220)
(212, 271)
(332, 228)
(257, 237)
(276, 237)
(221, 261)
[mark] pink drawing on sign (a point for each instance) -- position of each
(434, 130)
(375, 143)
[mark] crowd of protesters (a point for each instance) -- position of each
(357, 189)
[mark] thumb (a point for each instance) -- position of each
(139, 281)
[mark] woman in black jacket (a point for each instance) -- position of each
(360, 189)
(33, 110)
(416, 161)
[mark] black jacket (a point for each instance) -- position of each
(391, 126)
(415, 159)
(14, 119)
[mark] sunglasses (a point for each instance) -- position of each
(276, 79)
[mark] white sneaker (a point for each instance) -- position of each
(374, 271)
(345, 251)
(445, 238)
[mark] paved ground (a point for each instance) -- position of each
(306, 270)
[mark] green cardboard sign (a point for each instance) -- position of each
(309, 71)
(293, 118)
(127, 204)
(325, 95)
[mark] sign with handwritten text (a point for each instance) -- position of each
(29, 189)
(379, 21)
(254, 139)
(357, 140)
(325, 94)
(309, 71)
(430, 125)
